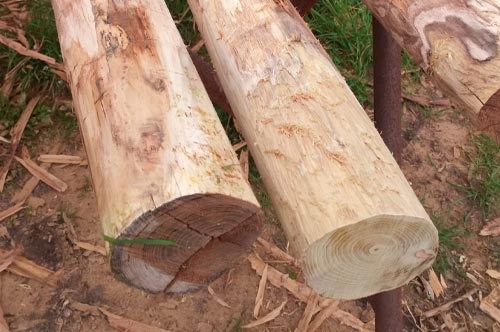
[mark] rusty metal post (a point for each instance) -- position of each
(387, 109)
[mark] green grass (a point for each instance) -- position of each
(344, 29)
(483, 188)
(449, 239)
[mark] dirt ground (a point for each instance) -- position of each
(436, 159)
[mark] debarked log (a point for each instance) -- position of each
(346, 208)
(162, 166)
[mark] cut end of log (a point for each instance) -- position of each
(371, 256)
(489, 117)
(212, 232)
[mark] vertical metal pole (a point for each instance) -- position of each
(387, 109)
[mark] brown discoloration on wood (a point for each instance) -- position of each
(155, 146)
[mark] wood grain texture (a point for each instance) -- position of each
(345, 206)
(458, 43)
(161, 164)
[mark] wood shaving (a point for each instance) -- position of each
(217, 298)
(267, 318)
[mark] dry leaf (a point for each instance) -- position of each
(267, 318)
(492, 228)
(260, 293)
(217, 299)
(129, 325)
(428, 289)
(42, 174)
(493, 274)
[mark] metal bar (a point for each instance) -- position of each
(387, 111)
(387, 88)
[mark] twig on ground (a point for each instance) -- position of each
(448, 305)
(217, 298)
(31, 184)
(125, 324)
(15, 137)
(42, 174)
(11, 210)
(60, 159)
(267, 318)
(28, 269)
(277, 252)
(260, 292)
(303, 292)
(19, 48)
(309, 311)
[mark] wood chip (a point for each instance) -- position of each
(309, 311)
(86, 308)
(90, 247)
(277, 252)
(493, 273)
(129, 325)
(9, 78)
(239, 145)
(19, 48)
(491, 304)
(42, 174)
(15, 136)
(217, 298)
(260, 293)
(11, 210)
(60, 159)
(492, 228)
(322, 316)
(245, 166)
(4, 327)
(303, 292)
(28, 269)
(435, 283)
(267, 318)
(447, 306)
(473, 278)
(7, 258)
(31, 184)
(424, 101)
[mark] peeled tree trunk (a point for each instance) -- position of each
(347, 209)
(458, 43)
(161, 164)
